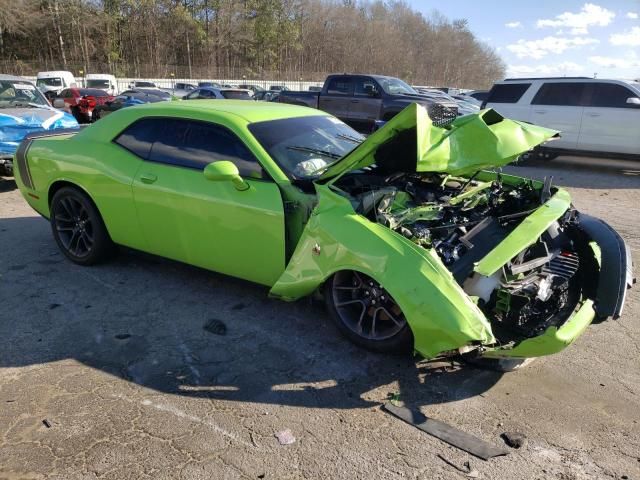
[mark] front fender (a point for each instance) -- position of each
(441, 316)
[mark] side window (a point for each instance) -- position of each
(193, 94)
(564, 94)
(507, 92)
(139, 136)
(206, 94)
(365, 87)
(66, 94)
(340, 86)
(192, 144)
(611, 95)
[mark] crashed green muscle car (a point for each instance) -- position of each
(412, 241)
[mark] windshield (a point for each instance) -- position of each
(49, 82)
(14, 92)
(94, 92)
(304, 147)
(395, 86)
(95, 83)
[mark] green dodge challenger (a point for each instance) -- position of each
(412, 239)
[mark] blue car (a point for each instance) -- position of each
(129, 98)
(209, 93)
(23, 110)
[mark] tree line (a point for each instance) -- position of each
(279, 39)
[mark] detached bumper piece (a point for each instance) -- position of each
(447, 433)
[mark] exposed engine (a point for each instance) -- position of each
(462, 220)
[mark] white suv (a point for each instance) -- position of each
(593, 115)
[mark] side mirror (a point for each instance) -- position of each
(225, 171)
(634, 101)
(58, 103)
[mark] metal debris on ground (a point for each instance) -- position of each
(285, 437)
(447, 433)
(514, 439)
(394, 399)
(46, 423)
(215, 326)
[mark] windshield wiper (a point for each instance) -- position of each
(350, 138)
(317, 151)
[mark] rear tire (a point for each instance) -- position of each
(78, 228)
(366, 314)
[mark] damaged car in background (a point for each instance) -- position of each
(415, 243)
(23, 110)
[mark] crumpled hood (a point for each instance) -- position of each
(410, 142)
(16, 123)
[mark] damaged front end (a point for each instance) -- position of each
(479, 261)
(517, 248)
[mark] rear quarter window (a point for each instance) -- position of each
(507, 92)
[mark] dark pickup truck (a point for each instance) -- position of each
(360, 100)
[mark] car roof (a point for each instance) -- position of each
(13, 78)
(250, 112)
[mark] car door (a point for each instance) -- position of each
(609, 123)
(210, 224)
(366, 104)
(559, 105)
(337, 99)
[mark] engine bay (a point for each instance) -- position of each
(462, 220)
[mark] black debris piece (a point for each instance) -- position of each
(447, 433)
(215, 326)
(514, 439)
(46, 423)
(123, 336)
(238, 306)
(53, 306)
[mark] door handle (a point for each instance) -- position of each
(593, 114)
(540, 111)
(148, 178)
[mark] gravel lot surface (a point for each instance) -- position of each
(107, 372)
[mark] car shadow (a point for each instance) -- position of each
(145, 319)
(578, 172)
(7, 184)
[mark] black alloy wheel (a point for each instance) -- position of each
(366, 313)
(78, 228)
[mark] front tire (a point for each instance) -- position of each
(366, 314)
(78, 228)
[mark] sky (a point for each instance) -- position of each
(554, 38)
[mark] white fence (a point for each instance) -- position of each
(123, 83)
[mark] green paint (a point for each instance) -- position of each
(269, 231)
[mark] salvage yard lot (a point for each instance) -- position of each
(107, 372)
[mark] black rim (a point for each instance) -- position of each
(365, 307)
(74, 227)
